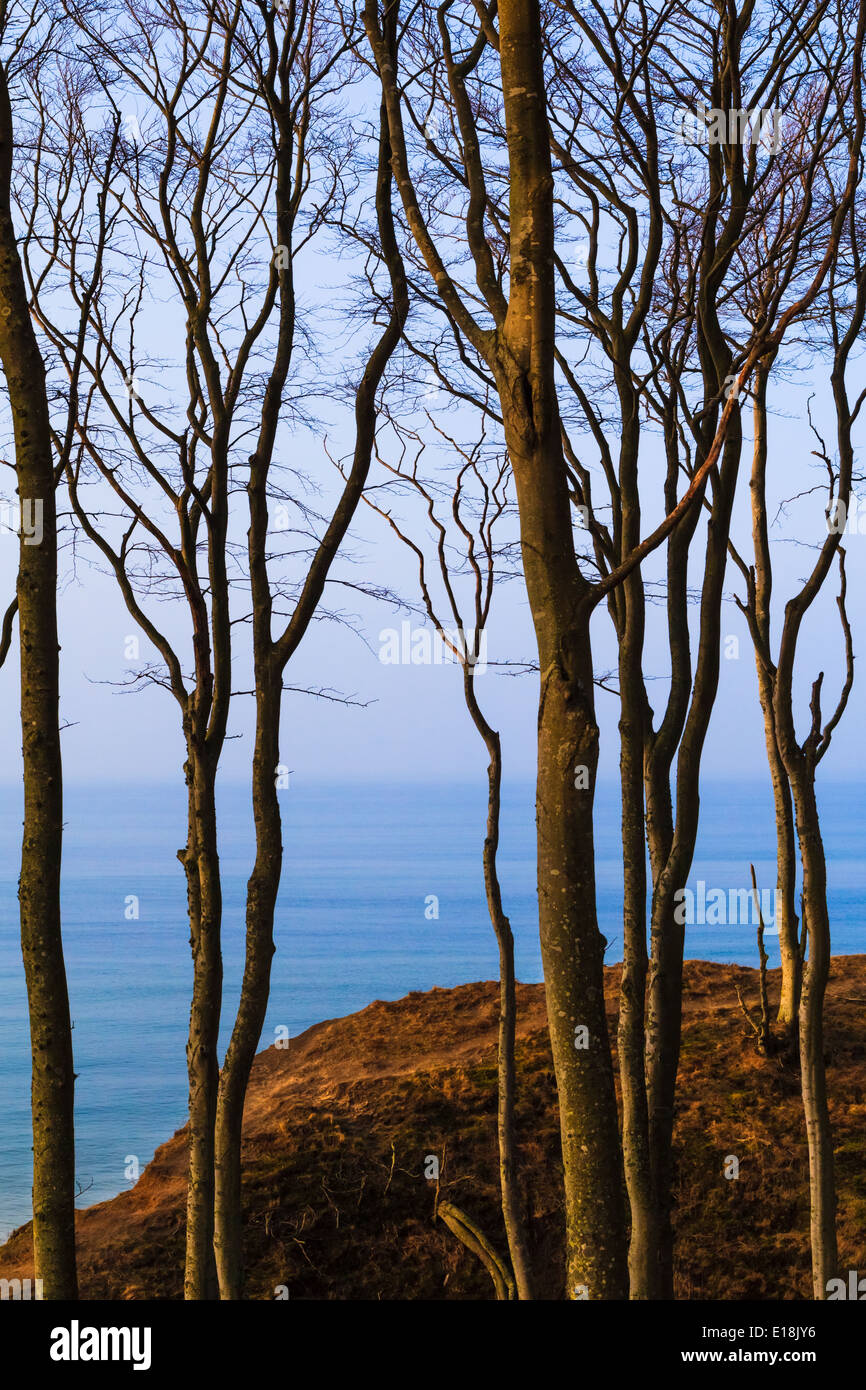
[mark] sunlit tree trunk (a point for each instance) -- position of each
(813, 1074)
(787, 920)
(512, 1209)
(53, 1077)
(201, 862)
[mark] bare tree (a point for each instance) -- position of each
(800, 756)
(270, 64)
(467, 549)
(646, 312)
(211, 192)
(53, 1077)
(149, 477)
(514, 335)
(783, 244)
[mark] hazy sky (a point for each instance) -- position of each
(415, 725)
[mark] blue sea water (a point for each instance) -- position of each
(361, 865)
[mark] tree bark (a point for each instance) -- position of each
(466, 1231)
(520, 352)
(664, 1026)
(512, 1208)
(201, 861)
(634, 726)
(631, 1044)
(53, 1077)
(262, 890)
(813, 1078)
(572, 947)
(787, 920)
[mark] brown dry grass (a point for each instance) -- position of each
(339, 1125)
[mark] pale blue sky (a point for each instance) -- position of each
(416, 727)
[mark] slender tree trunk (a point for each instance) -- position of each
(631, 1045)
(474, 1239)
(262, 890)
(643, 1245)
(53, 1078)
(572, 951)
(660, 748)
(819, 1134)
(515, 1226)
(201, 861)
(787, 920)
(572, 946)
(786, 863)
(520, 351)
(664, 1031)
(667, 935)
(512, 1207)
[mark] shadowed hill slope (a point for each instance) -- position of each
(339, 1128)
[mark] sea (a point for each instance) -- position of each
(382, 893)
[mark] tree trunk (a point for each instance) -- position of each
(787, 920)
(466, 1231)
(813, 1078)
(201, 861)
(572, 951)
(667, 935)
(515, 1226)
(786, 863)
(53, 1078)
(262, 890)
(629, 606)
(643, 1245)
(572, 947)
(512, 1209)
(520, 352)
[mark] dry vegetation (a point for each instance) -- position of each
(339, 1125)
